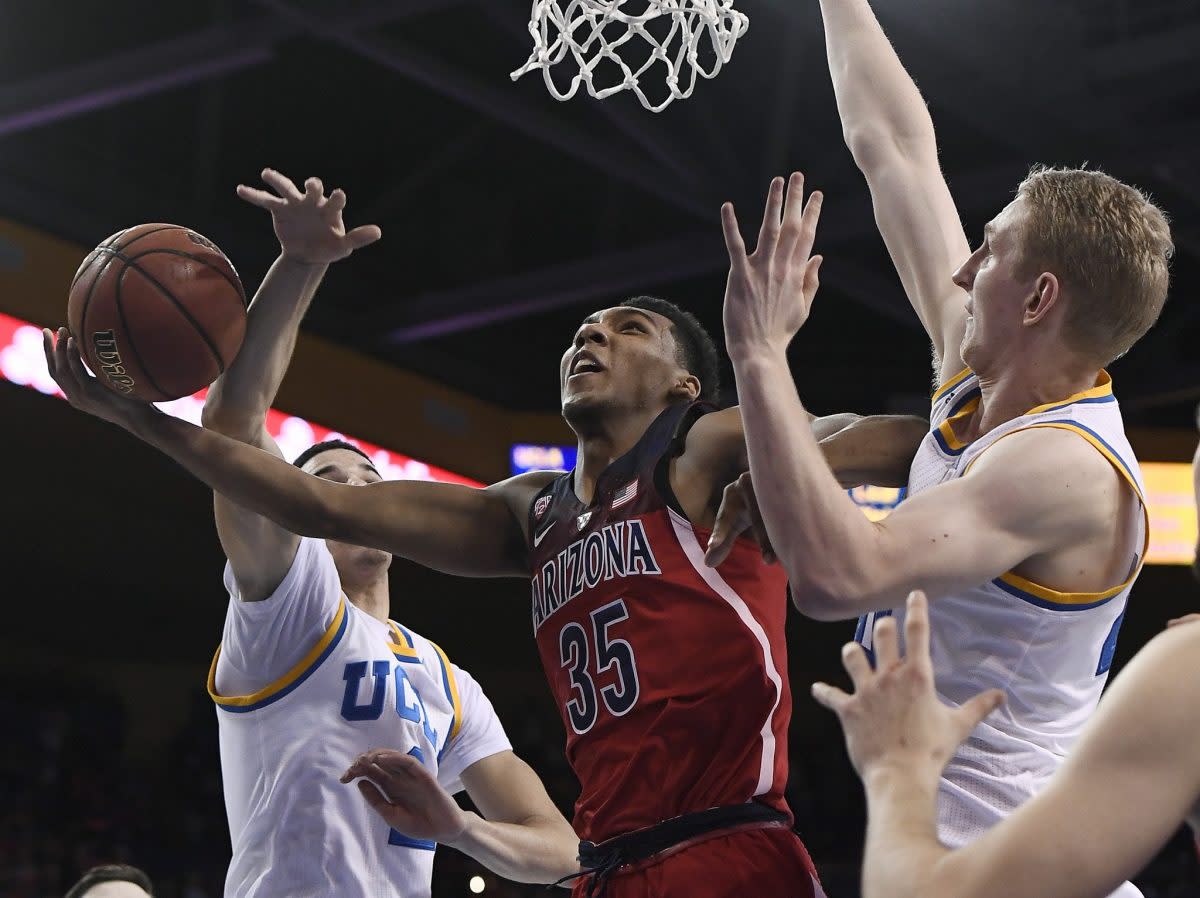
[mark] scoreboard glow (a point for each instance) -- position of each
(22, 362)
(1169, 496)
(531, 457)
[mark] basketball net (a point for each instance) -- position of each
(677, 32)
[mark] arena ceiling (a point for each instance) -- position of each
(508, 216)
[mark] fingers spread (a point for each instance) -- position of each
(281, 185)
(260, 198)
(314, 191)
(971, 712)
(886, 643)
(364, 235)
(830, 696)
(916, 630)
(733, 235)
(854, 659)
(768, 234)
(336, 201)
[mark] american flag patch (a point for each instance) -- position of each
(540, 506)
(625, 494)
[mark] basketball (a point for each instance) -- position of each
(158, 312)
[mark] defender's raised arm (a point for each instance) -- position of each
(890, 133)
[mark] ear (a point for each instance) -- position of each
(686, 387)
(1047, 291)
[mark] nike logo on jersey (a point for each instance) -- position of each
(538, 537)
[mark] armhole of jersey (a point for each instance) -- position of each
(1044, 596)
(450, 685)
(303, 669)
(662, 467)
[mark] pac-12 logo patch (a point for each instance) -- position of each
(540, 506)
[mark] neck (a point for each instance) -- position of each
(371, 596)
(1021, 384)
(602, 441)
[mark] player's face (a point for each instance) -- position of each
(355, 564)
(620, 358)
(997, 289)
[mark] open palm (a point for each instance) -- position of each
(309, 225)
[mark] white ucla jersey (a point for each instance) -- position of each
(353, 685)
(1049, 651)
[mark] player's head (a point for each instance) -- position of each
(344, 462)
(112, 881)
(1079, 257)
(644, 353)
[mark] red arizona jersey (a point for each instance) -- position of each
(671, 677)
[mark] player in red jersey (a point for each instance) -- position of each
(671, 676)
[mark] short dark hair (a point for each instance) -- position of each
(324, 446)
(110, 873)
(697, 351)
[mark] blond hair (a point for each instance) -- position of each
(1109, 245)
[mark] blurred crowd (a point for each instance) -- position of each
(71, 799)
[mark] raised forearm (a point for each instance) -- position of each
(540, 850)
(242, 395)
(877, 99)
(820, 536)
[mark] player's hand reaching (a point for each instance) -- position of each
(82, 390)
(309, 224)
(770, 291)
(738, 513)
(894, 720)
(407, 795)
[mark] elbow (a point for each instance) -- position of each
(826, 595)
(875, 145)
(820, 604)
(239, 424)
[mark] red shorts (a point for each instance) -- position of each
(756, 863)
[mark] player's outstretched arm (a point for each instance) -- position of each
(521, 835)
(890, 133)
(1030, 494)
(311, 236)
(1128, 784)
(451, 528)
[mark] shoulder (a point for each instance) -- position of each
(1040, 450)
(1040, 476)
(520, 490)
(312, 571)
(716, 438)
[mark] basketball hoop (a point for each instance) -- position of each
(689, 37)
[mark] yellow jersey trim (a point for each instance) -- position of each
(288, 681)
(1052, 597)
(952, 383)
(451, 687)
(1100, 392)
(403, 647)
(945, 434)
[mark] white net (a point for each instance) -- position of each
(615, 46)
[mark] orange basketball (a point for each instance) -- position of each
(157, 311)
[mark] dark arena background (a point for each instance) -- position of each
(507, 217)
